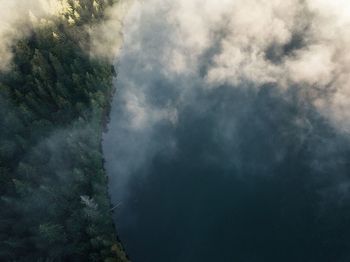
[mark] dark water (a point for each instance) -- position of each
(253, 178)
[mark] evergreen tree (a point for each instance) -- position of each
(53, 188)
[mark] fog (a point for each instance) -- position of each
(228, 138)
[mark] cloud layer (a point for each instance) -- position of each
(210, 94)
(173, 50)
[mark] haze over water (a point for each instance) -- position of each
(228, 140)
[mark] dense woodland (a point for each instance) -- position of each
(54, 202)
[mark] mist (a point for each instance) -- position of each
(229, 131)
(18, 17)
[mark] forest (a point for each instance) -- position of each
(54, 105)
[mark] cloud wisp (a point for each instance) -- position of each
(16, 19)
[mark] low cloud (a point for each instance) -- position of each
(17, 17)
(186, 58)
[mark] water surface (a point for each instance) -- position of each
(219, 172)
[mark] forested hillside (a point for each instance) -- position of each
(54, 99)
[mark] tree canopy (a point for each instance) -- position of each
(54, 101)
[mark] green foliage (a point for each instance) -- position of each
(53, 188)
